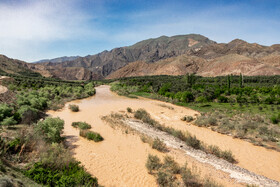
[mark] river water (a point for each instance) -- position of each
(120, 159)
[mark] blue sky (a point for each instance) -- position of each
(31, 30)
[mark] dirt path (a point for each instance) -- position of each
(3, 89)
(120, 159)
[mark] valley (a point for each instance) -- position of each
(122, 155)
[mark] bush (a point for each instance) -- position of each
(71, 175)
(159, 145)
(81, 125)
(8, 121)
(5, 111)
(153, 163)
(212, 121)
(145, 117)
(215, 150)
(193, 142)
(189, 179)
(90, 135)
(165, 178)
(129, 109)
(227, 155)
(170, 165)
(28, 114)
(51, 129)
(274, 119)
(189, 119)
(74, 108)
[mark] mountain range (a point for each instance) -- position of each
(176, 55)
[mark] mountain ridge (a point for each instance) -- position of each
(175, 55)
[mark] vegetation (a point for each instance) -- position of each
(22, 135)
(81, 125)
(129, 109)
(74, 108)
(159, 145)
(169, 173)
(238, 98)
(90, 135)
(186, 137)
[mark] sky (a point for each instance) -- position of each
(32, 30)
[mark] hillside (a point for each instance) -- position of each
(176, 55)
(101, 65)
(59, 59)
(212, 60)
(9, 65)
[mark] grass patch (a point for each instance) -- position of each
(81, 125)
(74, 108)
(90, 135)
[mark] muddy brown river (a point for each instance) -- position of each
(120, 159)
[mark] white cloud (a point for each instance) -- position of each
(28, 25)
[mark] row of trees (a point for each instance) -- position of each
(226, 89)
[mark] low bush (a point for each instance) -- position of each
(170, 165)
(159, 145)
(129, 109)
(81, 125)
(74, 108)
(215, 150)
(50, 129)
(90, 135)
(165, 178)
(145, 117)
(189, 119)
(153, 163)
(227, 155)
(8, 121)
(71, 175)
(193, 142)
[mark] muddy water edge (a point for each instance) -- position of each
(120, 159)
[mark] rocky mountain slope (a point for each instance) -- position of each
(212, 60)
(60, 59)
(176, 55)
(101, 65)
(9, 65)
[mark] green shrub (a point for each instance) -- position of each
(212, 121)
(189, 178)
(51, 129)
(189, 119)
(145, 117)
(201, 121)
(129, 109)
(5, 111)
(170, 165)
(81, 125)
(71, 175)
(8, 121)
(159, 145)
(28, 114)
(165, 179)
(215, 150)
(193, 142)
(74, 108)
(90, 135)
(274, 119)
(227, 155)
(153, 163)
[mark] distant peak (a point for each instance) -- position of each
(237, 41)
